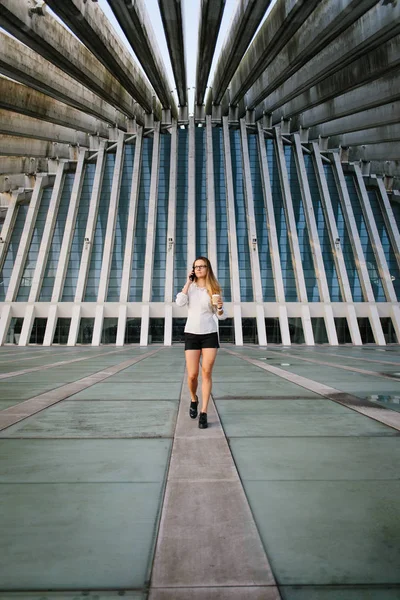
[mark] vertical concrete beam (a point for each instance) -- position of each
(171, 225)
(307, 327)
(352, 229)
(330, 325)
(232, 237)
(27, 325)
(353, 325)
(130, 232)
(8, 225)
(98, 325)
(47, 235)
(144, 329)
(51, 325)
(376, 325)
(211, 12)
(69, 229)
(191, 230)
(331, 226)
(172, 18)
(5, 320)
(284, 325)
(74, 327)
(252, 235)
(90, 225)
(211, 220)
(374, 237)
(270, 215)
(26, 238)
(111, 221)
(311, 224)
(122, 316)
(394, 311)
(152, 216)
(290, 219)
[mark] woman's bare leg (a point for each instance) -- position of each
(208, 358)
(192, 366)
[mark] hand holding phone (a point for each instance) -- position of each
(192, 276)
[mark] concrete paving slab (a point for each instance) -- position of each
(72, 461)
(212, 461)
(25, 390)
(337, 592)
(215, 593)
(99, 420)
(7, 403)
(77, 536)
(261, 389)
(127, 391)
(275, 418)
(325, 459)
(329, 532)
(97, 595)
(189, 428)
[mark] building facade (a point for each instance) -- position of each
(305, 246)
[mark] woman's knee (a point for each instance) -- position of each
(206, 372)
(193, 376)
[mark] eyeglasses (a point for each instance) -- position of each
(200, 267)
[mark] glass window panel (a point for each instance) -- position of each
(178, 326)
(132, 330)
(226, 330)
(38, 331)
(31, 259)
(221, 214)
(249, 329)
(85, 333)
(55, 246)
(301, 227)
(12, 250)
(160, 252)
(201, 192)
(342, 330)
(118, 253)
(273, 331)
(62, 331)
(109, 332)
(289, 281)
(14, 330)
(180, 258)
(367, 336)
(296, 330)
(156, 330)
(74, 259)
(388, 330)
(319, 330)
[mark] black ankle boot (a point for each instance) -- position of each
(193, 408)
(203, 421)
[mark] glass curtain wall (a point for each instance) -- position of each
(201, 192)
(160, 246)
(12, 250)
(221, 219)
(181, 225)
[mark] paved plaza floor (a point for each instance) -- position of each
(108, 489)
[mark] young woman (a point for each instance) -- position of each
(202, 294)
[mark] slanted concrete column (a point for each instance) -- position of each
(284, 325)
(191, 216)
(5, 320)
(389, 219)
(122, 316)
(69, 228)
(98, 325)
(51, 325)
(394, 312)
(169, 265)
(131, 228)
(232, 238)
(252, 237)
(144, 329)
(91, 224)
(374, 237)
(8, 225)
(26, 238)
(307, 327)
(111, 221)
(48, 232)
(211, 221)
(26, 330)
(353, 325)
(74, 327)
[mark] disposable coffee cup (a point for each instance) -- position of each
(215, 299)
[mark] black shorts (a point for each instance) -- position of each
(197, 341)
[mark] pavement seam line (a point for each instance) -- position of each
(365, 407)
(47, 399)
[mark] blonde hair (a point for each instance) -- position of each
(212, 284)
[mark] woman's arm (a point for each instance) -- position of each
(182, 297)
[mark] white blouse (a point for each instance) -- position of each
(201, 313)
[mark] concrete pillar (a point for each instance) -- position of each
(284, 325)
(394, 313)
(171, 226)
(122, 316)
(69, 229)
(290, 220)
(307, 327)
(191, 229)
(376, 325)
(91, 224)
(152, 216)
(211, 221)
(5, 320)
(130, 232)
(111, 221)
(353, 325)
(8, 225)
(74, 327)
(374, 237)
(52, 316)
(232, 238)
(311, 224)
(47, 236)
(389, 219)
(330, 325)
(26, 238)
(144, 330)
(98, 325)
(26, 330)
(252, 236)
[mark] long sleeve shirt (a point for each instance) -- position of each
(200, 310)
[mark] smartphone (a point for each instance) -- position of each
(192, 276)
